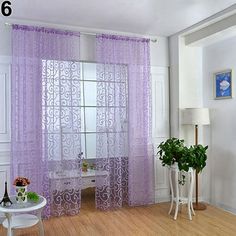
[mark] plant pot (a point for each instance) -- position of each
(21, 195)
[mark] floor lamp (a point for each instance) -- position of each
(196, 117)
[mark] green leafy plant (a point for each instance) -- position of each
(32, 196)
(198, 157)
(173, 151)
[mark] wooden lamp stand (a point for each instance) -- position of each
(196, 116)
(197, 205)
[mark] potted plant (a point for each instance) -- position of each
(33, 196)
(197, 157)
(171, 151)
(21, 184)
(85, 166)
(174, 152)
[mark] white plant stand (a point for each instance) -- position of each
(176, 197)
(23, 220)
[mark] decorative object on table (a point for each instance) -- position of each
(174, 151)
(92, 166)
(32, 196)
(21, 184)
(6, 200)
(196, 117)
(223, 84)
(85, 166)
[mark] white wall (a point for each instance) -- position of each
(190, 84)
(5, 40)
(222, 133)
(185, 84)
(174, 85)
(186, 91)
(159, 51)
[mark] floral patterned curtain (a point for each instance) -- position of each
(125, 160)
(45, 119)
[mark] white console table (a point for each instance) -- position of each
(88, 178)
(23, 220)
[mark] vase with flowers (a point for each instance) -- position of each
(21, 184)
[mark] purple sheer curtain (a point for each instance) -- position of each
(45, 117)
(125, 160)
(112, 137)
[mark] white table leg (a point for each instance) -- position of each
(172, 192)
(9, 220)
(190, 197)
(189, 208)
(40, 223)
(180, 196)
(177, 195)
(191, 187)
(192, 208)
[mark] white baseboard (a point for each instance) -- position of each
(2, 218)
(200, 199)
(218, 205)
(162, 195)
(225, 208)
(166, 198)
(162, 199)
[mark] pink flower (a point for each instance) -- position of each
(21, 181)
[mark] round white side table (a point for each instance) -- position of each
(23, 220)
(176, 197)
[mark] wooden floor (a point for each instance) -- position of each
(150, 220)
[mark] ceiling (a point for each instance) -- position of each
(147, 17)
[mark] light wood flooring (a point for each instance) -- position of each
(149, 220)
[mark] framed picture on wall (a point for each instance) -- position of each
(223, 84)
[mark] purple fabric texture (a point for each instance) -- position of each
(123, 122)
(45, 118)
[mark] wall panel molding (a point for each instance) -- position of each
(4, 176)
(160, 102)
(5, 102)
(160, 126)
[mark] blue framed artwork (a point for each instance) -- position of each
(223, 84)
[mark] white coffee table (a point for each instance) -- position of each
(23, 220)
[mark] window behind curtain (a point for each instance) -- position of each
(70, 107)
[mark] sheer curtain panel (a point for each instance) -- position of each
(45, 115)
(125, 160)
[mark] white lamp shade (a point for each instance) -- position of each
(195, 116)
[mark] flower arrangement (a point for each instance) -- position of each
(21, 181)
(85, 166)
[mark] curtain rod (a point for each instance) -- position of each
(85, 33)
